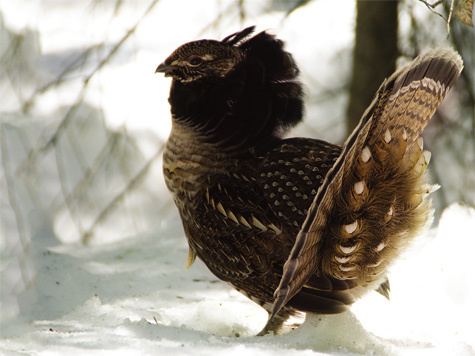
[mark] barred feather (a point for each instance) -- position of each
(373, 200)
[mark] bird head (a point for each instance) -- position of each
(204, 59)
(200, 59)
(241, 91)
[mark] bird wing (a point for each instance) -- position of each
(371, 200)
(234, 232)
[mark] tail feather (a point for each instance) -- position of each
(373, 200)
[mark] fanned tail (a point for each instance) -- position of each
(372, 201)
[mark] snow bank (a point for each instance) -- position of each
(135, 298)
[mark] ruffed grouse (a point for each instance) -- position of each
(296, 223)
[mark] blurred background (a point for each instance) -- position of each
(84, 118)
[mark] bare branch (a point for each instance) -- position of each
(10, 183)
(62, 180)
(40, 147)
(132, 184)
(431, 7)
(450, 17)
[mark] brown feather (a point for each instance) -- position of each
(373, 228)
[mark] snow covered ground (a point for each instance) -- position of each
(135, 298)
(127, 292)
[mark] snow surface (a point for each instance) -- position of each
(135, 297)
(127, 292)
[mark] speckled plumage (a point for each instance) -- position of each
(315, 223)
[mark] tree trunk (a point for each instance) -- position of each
(375, 54)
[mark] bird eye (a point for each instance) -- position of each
(195, 60)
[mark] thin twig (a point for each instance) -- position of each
(242, 12)
(40, 147)
(62, 183)
(10, 183)
(86, 237)
(431, 7)
(450, 17)
(82, 186)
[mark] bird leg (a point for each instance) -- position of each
(275, 324)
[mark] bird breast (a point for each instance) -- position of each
(188, 163)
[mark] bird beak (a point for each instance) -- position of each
(164, 68)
